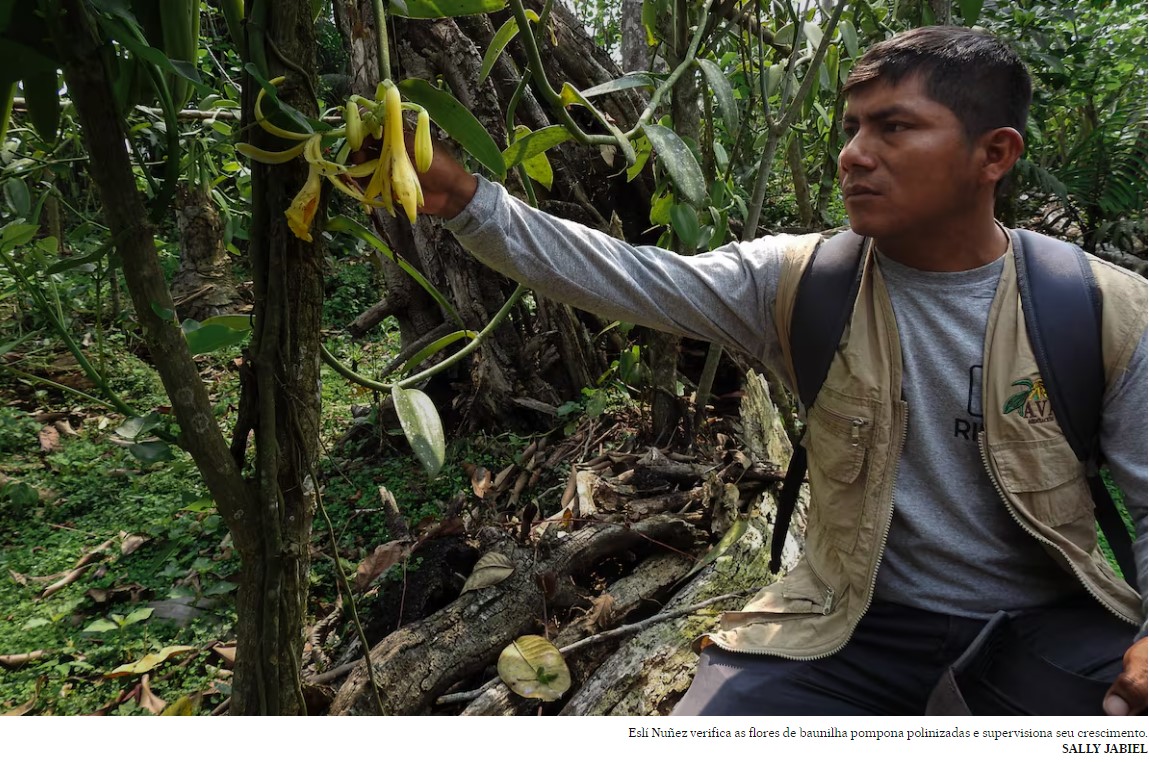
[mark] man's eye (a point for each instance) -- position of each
(894, 127)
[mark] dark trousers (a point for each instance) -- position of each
(894, 660)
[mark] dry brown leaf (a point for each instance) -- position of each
(149, 700)
(65, 428)
(49, 439)
(379, 561)
(481, 481)
(29, 705)
(225, 651)
(18, 578)
(489, 570)
(68, 579)
(130, 543)
(15, 661)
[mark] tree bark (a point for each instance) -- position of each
(635, 51)
(545, 353)
(203, 285)
(281, 393)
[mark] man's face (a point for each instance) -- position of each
(907, 168)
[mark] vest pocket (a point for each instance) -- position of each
(1048, 479)
(838, 442)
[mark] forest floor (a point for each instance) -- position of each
(117, 589)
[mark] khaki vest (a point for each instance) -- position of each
(855, 434)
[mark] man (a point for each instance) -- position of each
(932, 508)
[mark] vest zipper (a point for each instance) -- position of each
(897, 455)
(981, 444)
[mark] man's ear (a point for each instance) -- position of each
(1000, 150)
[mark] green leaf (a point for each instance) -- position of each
(459, 123)
(625, 82)
(723, 93)
(435, 347)
(537, 167)
(208, 337)
(34, 622)
(151, 452)
(970, 10)
(342, 224)
(499, 42)
(16, 234)
(101, 625)
(235, 322)
(849, 37)
(684, 220)
(813, 33)
(679, 162)
(137, 615)
(133, 428)
(774, 78)
(16, 192)
(660, 209)
(163, 313)
(422, 426)
(530, 144)
(441, 9)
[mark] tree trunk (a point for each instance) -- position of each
(280, 400)
(545, 354)
(203, 285)
(635, 51)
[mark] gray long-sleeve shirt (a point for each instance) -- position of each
(953, 548)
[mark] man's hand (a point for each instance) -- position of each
(1127, 696)
(447, 186)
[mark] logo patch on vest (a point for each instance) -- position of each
(1031, 403)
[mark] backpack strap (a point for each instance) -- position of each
(1062, 307)
(824, 303)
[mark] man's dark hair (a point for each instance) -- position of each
(973, 74)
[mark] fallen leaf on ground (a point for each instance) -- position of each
(15, 661)
(49, 439)
(27, 706)
(481, 481)
(379, 561)
(489, 570)
(130, 543)
(225, 651)
(149, 662)
(149, 700)
(19, 578)
(184, 706)
(532, 667)
(65, 428)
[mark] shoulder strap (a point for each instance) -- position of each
(1062, 307)
(825, 300)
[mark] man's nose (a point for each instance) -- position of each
(855, 155)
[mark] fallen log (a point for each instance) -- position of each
(651, 579)
(421, 661)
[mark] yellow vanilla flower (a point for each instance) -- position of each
(404, 182)
(423, 150)
(305, 204)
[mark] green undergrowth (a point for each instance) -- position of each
(166, 572)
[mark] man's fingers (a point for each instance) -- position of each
(1128, 695)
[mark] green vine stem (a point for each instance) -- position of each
(370, 383)
(789, 115)
(668, 83)
(384, 43)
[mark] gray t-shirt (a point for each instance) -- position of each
(953, 547)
